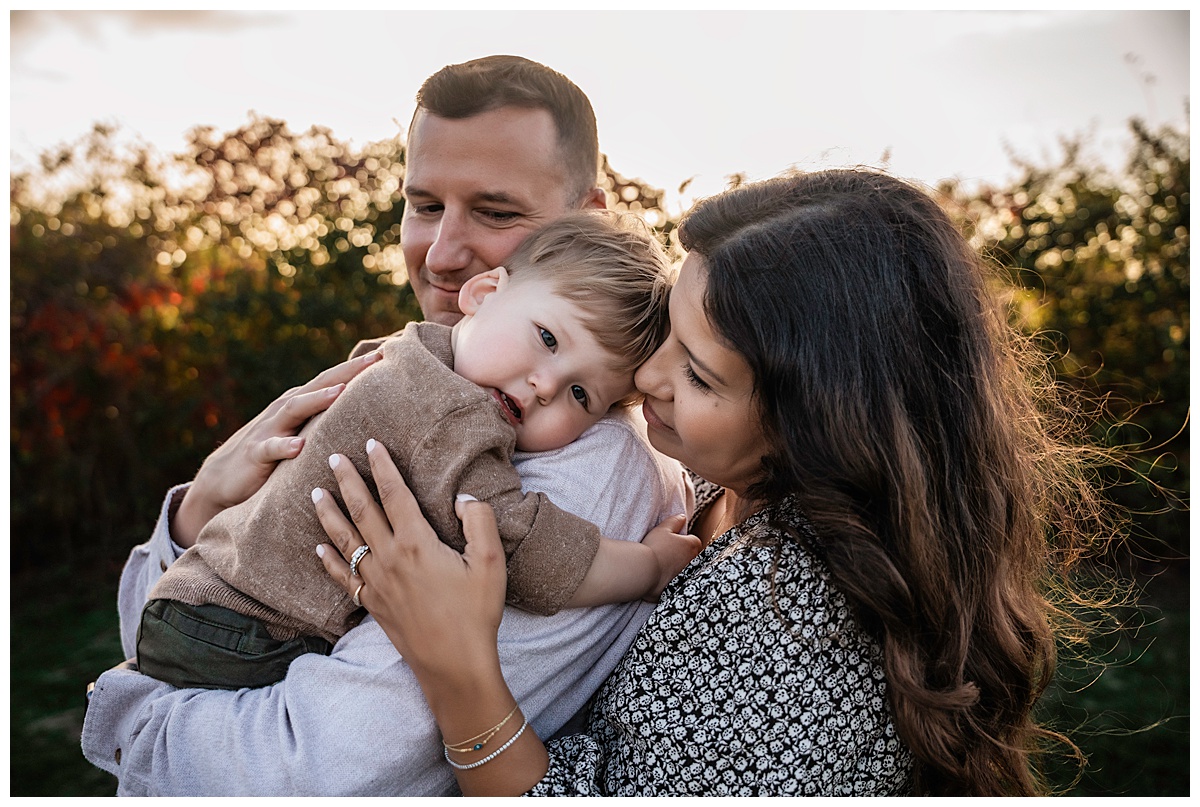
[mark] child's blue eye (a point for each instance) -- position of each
(578, 393)
(548, 338)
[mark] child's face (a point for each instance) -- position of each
(529, 348)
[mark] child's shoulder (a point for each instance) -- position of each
(619, 433)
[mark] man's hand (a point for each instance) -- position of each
(673, 550)
(240, 466)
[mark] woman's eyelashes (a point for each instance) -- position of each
(695, 380)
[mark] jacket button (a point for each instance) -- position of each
(117, 756)
(163, 565)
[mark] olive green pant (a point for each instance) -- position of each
(211, 647)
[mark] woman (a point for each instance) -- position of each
(876, 481)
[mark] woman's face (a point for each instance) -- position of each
(698, 393)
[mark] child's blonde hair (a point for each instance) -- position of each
(612, 267)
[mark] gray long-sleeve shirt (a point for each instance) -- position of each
(355, 722)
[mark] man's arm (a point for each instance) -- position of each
(362, 698)
(145, 565)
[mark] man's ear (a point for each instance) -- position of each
(473, 292)
(595, 199)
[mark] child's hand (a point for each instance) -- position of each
(673, 550)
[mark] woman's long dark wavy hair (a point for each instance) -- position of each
(924, 441)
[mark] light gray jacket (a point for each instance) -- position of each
(355, 722)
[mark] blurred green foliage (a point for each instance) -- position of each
(1098, 267)
(162, 302)
(158, 302)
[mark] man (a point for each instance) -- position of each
(497, 147)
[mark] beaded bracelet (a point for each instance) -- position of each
(490, 756)
(475, 744)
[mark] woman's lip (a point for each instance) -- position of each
(652, 418)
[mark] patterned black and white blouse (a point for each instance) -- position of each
(720, 696)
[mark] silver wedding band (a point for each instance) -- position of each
(356, 557)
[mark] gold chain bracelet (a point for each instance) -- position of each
(481, 739)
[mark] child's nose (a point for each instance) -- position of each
(545, 385)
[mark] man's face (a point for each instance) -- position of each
(474, 188)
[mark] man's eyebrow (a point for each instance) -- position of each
(708, 371)
(491, 197)
(497, 197)
(412, 190)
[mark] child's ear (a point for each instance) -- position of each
(473, 292)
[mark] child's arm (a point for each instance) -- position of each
(623, 571)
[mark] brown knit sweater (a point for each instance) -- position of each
(446, 436)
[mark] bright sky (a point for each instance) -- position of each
(678, 94)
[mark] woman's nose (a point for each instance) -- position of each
(650, 378)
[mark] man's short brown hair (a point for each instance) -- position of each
(464, 90)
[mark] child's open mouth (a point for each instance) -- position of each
(511, 407)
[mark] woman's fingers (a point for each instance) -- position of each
(342, 534)
(340, 373)
(364, 511)
(345, 540)
(401, 509)
(296, 406)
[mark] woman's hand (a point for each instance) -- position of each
(240, 466)
(442, 611)
(440, 608)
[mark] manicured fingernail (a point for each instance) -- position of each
(296, 442)
(334, 460)
(372, 356)
(320, 550)
(370, 445)
(335, 389)
(317, 494)
(465, 497)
